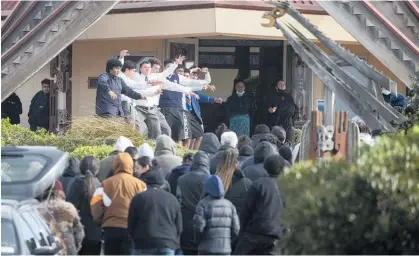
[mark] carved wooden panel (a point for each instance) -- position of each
(302, 82)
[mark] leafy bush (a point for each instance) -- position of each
(99, 152)
(371, 207)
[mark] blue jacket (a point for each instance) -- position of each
(202, 98)
(398, 100)
(104, 104)
(171, 99)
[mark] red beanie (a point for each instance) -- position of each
(58, 186)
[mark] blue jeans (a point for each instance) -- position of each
(154, 251)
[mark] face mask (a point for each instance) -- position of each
(386, 92)
(240, 93)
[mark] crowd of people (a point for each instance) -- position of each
(221, 200)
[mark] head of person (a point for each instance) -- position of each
(133, 152)
(222, 128)
(89, 167)
(280, 133)
(286, 153)
(194, 75)
(123, 163)
(46, 85)
(262, 129)
(239, 87)
(180, 70)
(263, 150)
(187, 158)
(113, 67)
(363, 127)
(274, 165)
(229, 139)
(187, 73)
(155, 65)
(167, 63)
(154, 177)
(143, 165)
(227, 164)
(145, 68)
(213, 187)
(281, 86)
(246, 150)
(129, 68)
(146, 150)
(243, 141)
(122, 143)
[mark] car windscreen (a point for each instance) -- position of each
(9, 242)
(21, 167)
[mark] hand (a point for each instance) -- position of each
(211, 87)
(159, 91)
(113, 95)
(194, 95)
(180, 59)
(156, 83)
(123, 53)
(218, 100)
(205, 70)
(272, 110)
(194, 70)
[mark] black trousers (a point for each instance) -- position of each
(90, 247)
(254, 244)
(117, 241)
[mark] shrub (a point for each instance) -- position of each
(99, 152)
(331, 210)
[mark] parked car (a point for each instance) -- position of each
(26, 173)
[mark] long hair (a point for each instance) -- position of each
(227, 166)
(89, 167)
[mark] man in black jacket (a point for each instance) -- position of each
(39, 108)
(260, 217)
(155, 219)
(12, 108)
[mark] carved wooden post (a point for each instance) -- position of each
(325, 141)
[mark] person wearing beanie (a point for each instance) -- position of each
(286, 153)
(245, 153)
(244, 140)
(110, 203)
(260, 131)
(68, 225)
(260, 216)
(215, 221)
(155, 219)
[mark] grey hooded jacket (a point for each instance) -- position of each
(189, 192)
(165, 154)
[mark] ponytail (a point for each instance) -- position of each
(89, 185)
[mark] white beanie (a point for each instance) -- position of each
(122, 143)
(229, 138)
(146, 150)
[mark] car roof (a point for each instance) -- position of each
(55, 165)
(8, 206)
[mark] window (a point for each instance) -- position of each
(9, 240)
(19, 167)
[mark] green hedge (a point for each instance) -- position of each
(368, 207)
(84, 139)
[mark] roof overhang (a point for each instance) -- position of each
(205, 22)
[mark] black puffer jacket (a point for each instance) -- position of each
(256, 170)
(215, 159)
(238, 190)
(215, 222)
(70, 174)
(210, 144)
(189, 192)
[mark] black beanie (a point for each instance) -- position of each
(286, 153)
(261, 129)
(274, 164)
(246, 150)
(153, 177)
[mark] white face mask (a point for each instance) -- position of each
(240, 93)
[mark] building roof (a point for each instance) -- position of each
(304, 6)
